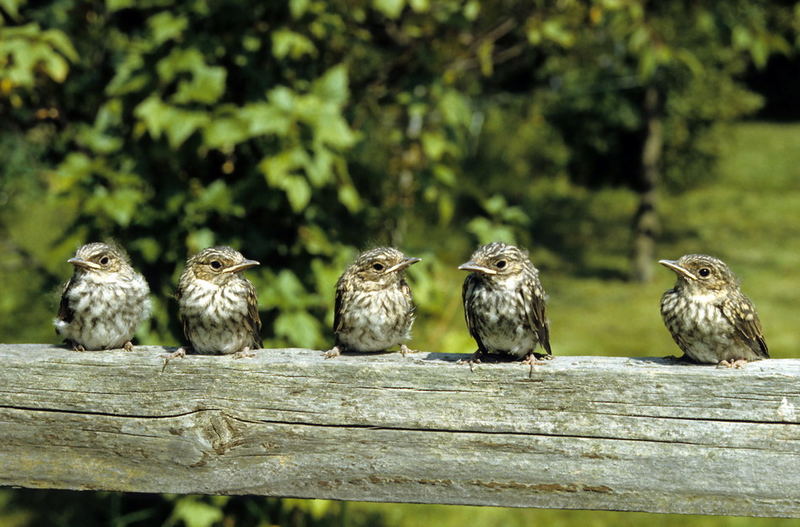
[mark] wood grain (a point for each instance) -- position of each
(639, 434)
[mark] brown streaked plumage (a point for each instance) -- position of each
(708, 316)
(374, 308)
(104, 301)
(504, 303)
(217, 305)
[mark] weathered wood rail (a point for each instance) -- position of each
(638, 434)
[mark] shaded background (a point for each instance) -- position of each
(601, 135)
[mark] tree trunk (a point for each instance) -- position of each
(645, 222)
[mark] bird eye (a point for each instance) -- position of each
(215, 264)
(500, 264)
(377, 267)
(104, 260)
(704, 272)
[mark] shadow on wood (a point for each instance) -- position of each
(639, 434)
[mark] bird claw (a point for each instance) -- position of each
(736, 364)
(128, 346)
(177, 354)
(333, 352)
(533, 359)
(405, 350)
(77, 347)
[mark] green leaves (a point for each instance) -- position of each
(314, 130)
(389, 8)
(165, 26)
(206, 84)
(288, 297)
(287, 43)
(110, 194)
(27, 49)
(193, 511)
(157, 117)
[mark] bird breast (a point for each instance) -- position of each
(376, 320)
(202, 297)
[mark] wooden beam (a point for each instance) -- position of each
(637, 434)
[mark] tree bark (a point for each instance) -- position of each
(645, 222)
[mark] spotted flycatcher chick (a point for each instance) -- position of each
(707, 314)
(504, 303)
(374, 308)
(217, 305)
(104, 301)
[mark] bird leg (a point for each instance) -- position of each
(128, 346)
(178, 354)
(333, 352)
(733, 363)
(244, 353)
(533, 359)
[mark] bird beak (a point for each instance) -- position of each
(403, 264)
(673, 264)
(247, 264)
(80, 262)
(472, 266)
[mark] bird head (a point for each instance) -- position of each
(101, 258)
(217, 265)
(379, 267)
(497, 261)
(701, 272)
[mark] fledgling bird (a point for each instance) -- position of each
(708, 316)
(374, 309)
(104, 301)
(217, 305)
(504, 304)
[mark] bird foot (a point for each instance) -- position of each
(333, 352)
(405, 350)
(77, 347)
(737, 364)
(473, 359)
(128, 346)
(246, 353)
(533, 360)
(178, 354)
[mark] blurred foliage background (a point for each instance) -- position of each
(599, 134)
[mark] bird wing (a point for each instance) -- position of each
(532, 298)
(740, 312)
(466, 296)
(338, 322)
(666, 299)
(65, 312)
(184, 320)
(253, 321)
